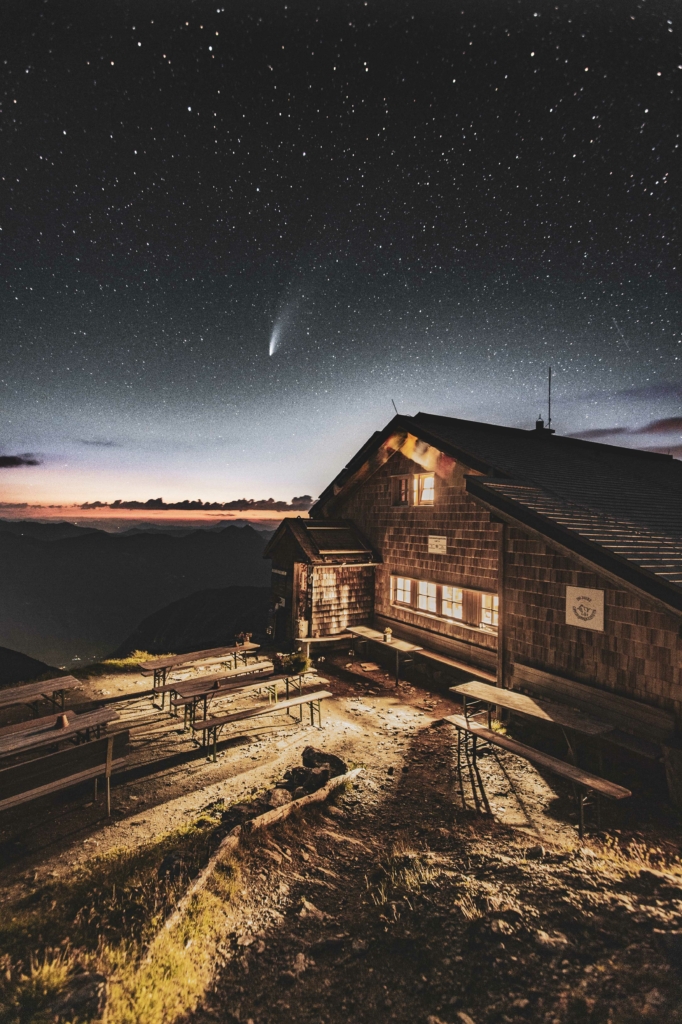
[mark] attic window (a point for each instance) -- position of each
(424, 489)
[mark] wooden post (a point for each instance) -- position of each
(110, 754)
(501, 613)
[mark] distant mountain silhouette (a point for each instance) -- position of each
(44, 531)
(209, 618)
(74, 600)
(19, 668)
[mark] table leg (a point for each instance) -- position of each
(581, 806)
(397, 666)
(215, 743)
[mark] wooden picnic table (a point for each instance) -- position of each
(191, 695)
(399, 646)
(559, 714)
(160, 666)
(51, 690)
(258, 670)
(52, 729)
(306, 641)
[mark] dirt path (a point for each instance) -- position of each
(399, 905)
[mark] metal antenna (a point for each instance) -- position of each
(549, 398)
(395, 407)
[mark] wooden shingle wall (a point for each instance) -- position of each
(639, 654)
(342, 596)
(400, 534)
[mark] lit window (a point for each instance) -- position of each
(452, 604)
(402, 590)
(490, 606)
(424, 489)
(426, 596)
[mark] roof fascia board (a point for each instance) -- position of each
(597, 558)
(366, 462)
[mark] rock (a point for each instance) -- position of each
(434, 1020)
(307, 779)
(389, 771)
(359, 945)
(288, 978)
(521, 1004)
(671, 944)
(278, 797)
(298, 793)
(550, 941)
(535, 852)
(313, 758)
(309, 909)
(85, 997)
(300, 963)
(464, 1017)
(336, 812)
(329, 943)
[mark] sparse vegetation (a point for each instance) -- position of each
(109, 910)
(111, 666)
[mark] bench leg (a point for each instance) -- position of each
(108, 796)
(581, 813)
(96, 781)
(215, 744)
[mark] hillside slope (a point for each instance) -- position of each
(16, 667)
(209, 618)
(79, 597)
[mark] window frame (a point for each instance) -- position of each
(419, 488)
(470, 603)
(397, 483)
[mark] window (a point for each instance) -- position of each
(452, 604)
(490, 606)
(424, 489)
(426, 597)
(401, 490)
(402, 590)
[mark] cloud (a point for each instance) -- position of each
(593, 435)
(13, 461)
(101, 443)
(671, 425)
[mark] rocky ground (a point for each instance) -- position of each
(404, 900)
(396, 904)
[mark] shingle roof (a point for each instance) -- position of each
(621, 508)
(328, 542)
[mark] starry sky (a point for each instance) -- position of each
(232, 235)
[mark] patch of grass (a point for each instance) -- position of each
(404, 871)
(102, 918)
(112, 666)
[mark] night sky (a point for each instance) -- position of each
(232, 234)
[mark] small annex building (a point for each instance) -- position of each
(545, 563)
(322, 578)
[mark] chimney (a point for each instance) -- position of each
(539, 424)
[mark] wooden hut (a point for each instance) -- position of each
(541, 562)
(322, 578)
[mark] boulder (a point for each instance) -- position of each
(314, 758)
(278, 797)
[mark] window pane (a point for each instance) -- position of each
(402, 490)
(490, 604)
(403, 590)
(428, 488)
(426, 596)
(452, 605)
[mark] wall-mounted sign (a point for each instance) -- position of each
(280, 572)
(585, 608)
(438, 545)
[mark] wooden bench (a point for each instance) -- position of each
(189, 695)
(53, 729)
(638, 727)
(51, 690)
(213, 725)
(209, 680)
(461, 666)
(44, 775)
(585, 781)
